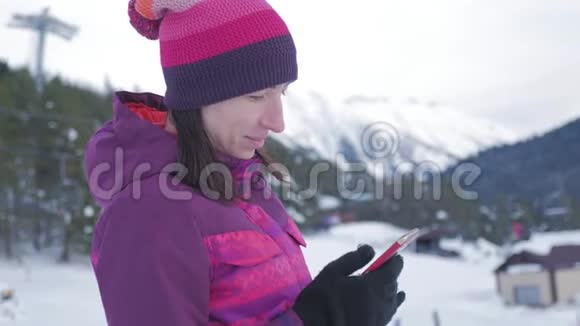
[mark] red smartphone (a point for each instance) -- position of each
(399, 245)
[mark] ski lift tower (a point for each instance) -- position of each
(43, 24)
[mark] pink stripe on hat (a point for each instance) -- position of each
(182, 25)
(224, 38)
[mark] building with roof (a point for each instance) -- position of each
(530, 279)
(430, 243)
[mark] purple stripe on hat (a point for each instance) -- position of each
(242, 71)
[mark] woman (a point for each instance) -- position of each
(178, 246)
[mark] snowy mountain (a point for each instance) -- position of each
(387, 130)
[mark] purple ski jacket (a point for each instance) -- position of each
(164, 254)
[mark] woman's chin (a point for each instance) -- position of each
(245, 154)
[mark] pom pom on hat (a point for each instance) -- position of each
(146, 15)
(146, 27)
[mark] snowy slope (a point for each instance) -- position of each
(416, 131)
(461, 291)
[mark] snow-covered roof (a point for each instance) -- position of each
(559, 257)
(556, 211)
(524, 268)
(328, 202)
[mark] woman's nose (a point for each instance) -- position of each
(273, 118)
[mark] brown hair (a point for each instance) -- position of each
(195, 151)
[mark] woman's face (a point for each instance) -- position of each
(239, 126)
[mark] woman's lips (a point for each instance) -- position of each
(256, 142)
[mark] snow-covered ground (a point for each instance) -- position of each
(461, 291)
(52, 294)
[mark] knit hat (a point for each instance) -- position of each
(213, 50)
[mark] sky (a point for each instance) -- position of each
(516, 63)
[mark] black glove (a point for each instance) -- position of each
(335, 298)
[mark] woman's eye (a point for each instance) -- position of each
(256, 97)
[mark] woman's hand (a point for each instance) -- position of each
(336, 298)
